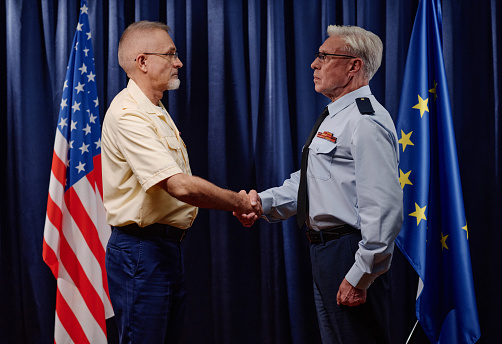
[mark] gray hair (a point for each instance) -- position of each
(129, 41)
(360, 43)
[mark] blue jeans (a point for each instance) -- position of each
(367, 323)
(147, 288)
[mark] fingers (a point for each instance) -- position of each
(349, 295)
(247, 220)
(253, 197)
(352, 301)
(255, 201)
(253, 212)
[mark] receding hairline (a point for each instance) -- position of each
(144, 26)
(128, 40)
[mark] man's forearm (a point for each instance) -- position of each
(204, 194)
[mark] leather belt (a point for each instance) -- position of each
(154, 230)
(328, 234)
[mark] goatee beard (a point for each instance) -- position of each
(173, 84)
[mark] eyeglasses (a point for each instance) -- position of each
(175, 54)
(322, 56)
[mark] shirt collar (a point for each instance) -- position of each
(348, 99)
(145, 103)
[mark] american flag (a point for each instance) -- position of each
(76, 231)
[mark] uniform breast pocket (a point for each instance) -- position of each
(321, 158)
(175, 148)
(173, 143)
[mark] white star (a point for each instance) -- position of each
(92, 118)
(84, 9)
(98, 143)
(63, 103)
(85, 51)
(80, 167)
(79, 26)
(65, 84)
(73, 125)
(76, 46)
(83, 69)
(96, 102)
(76, 106)
(87, 129)
(84, 148)
(63, 123)
(88, 35)
(80, 87)
(91, 76)
(71, 144)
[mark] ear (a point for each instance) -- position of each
(355, 66)
(141, 62)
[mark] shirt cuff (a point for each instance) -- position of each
(359, 279)
(160, 176)
(266, 201)
(266, 198)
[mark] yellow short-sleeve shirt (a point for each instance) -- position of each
(141, 146)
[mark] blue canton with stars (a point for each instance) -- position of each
(79, 112)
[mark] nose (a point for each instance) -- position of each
(315, 64)
(177, 63)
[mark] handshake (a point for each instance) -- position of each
(250, 209)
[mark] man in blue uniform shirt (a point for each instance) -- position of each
(347, 193)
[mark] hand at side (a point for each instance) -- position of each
(349, 295)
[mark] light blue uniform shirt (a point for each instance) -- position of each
(351, 181)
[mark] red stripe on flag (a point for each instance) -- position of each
(51, 259)
(69, 320)
(82, 282)
(55, 216)
(58, 168)
(54, 213)
(92, 237)
(75, 270)
(97, 175)
(87, 228)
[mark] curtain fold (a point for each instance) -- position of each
(245, 107)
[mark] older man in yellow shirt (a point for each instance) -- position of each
(150, 194)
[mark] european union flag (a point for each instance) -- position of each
(434, 236)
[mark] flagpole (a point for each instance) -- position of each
(412, 332)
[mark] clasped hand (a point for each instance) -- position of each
(248, 218)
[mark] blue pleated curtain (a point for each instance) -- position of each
(245, 107)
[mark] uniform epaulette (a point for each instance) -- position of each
(364, 106)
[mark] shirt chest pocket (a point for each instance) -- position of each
(174, 147)
(321, 159)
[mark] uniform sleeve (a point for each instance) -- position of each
(146, 153)
(379, 196)
(279, 203)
